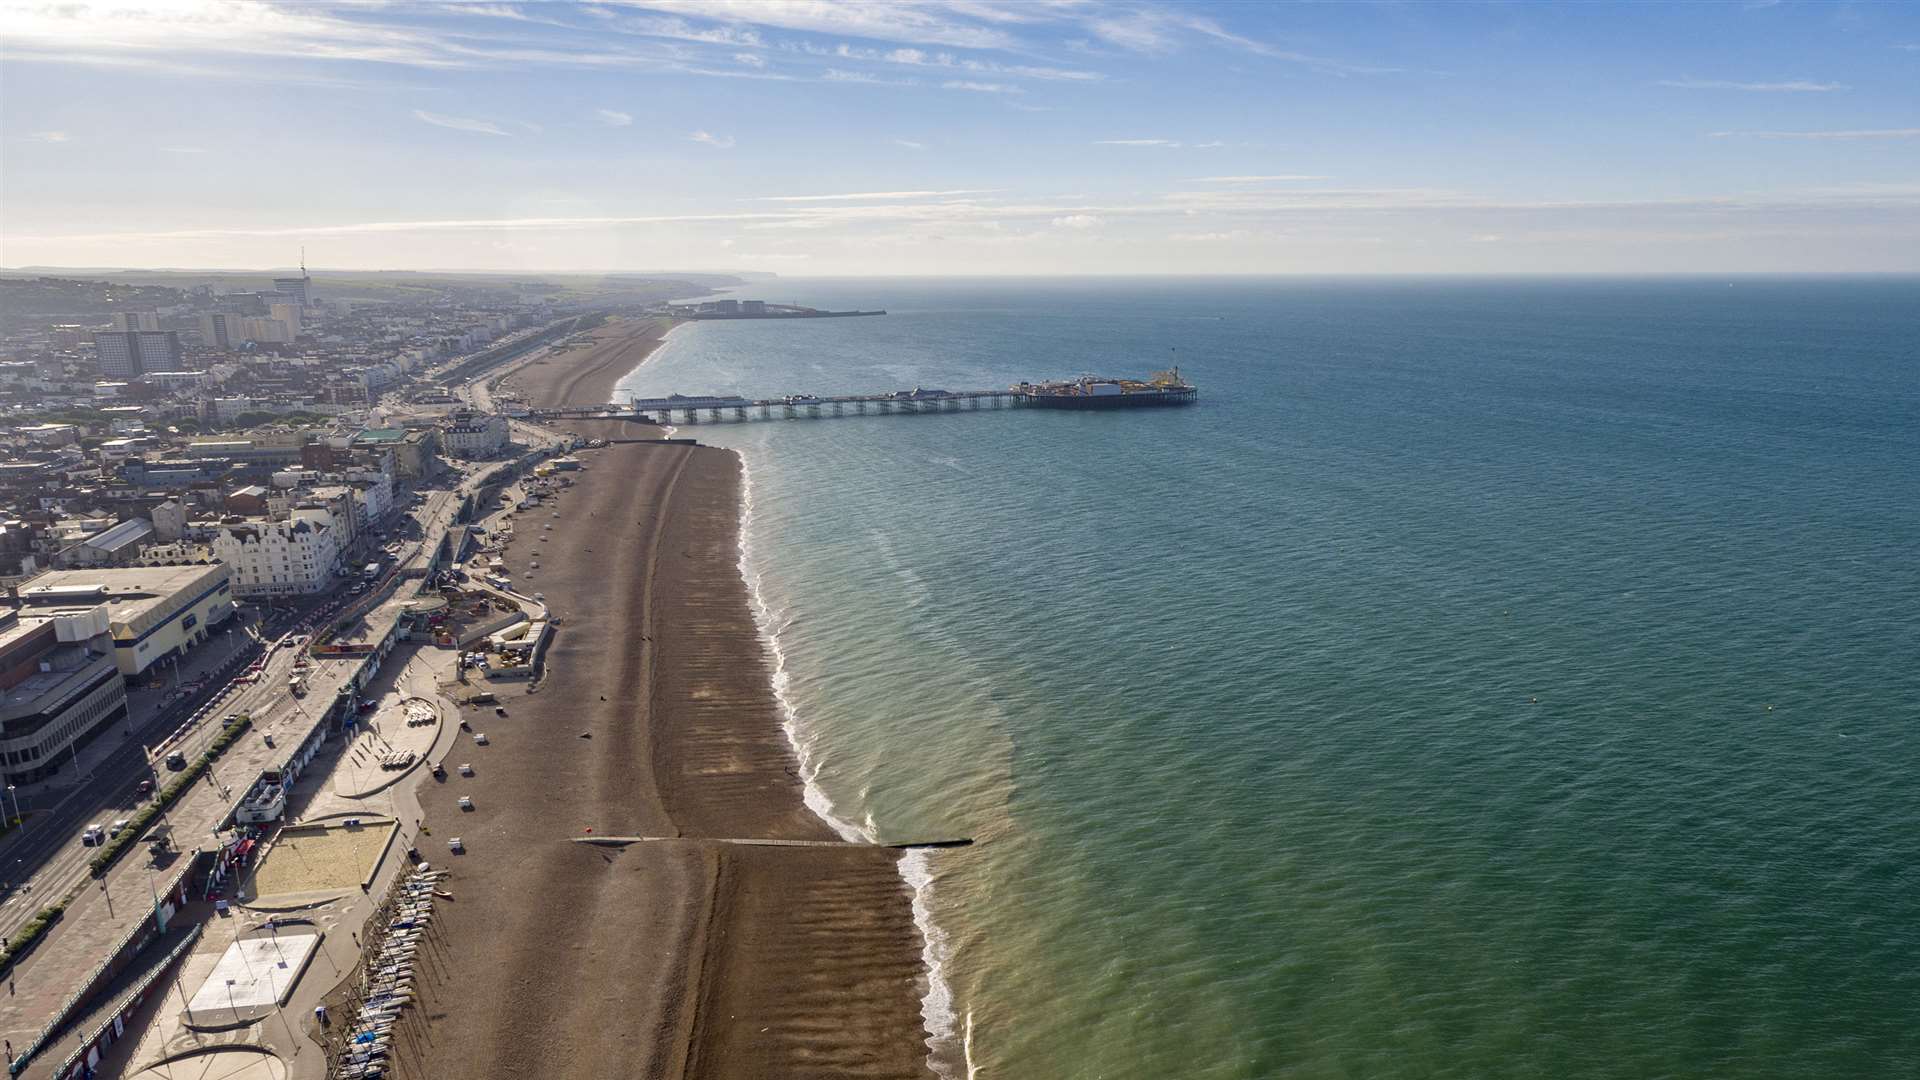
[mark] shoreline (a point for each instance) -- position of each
(595, 384)
(723, 960)
(939, 1020)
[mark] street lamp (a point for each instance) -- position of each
(17, 819)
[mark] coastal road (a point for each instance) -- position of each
(45, 859)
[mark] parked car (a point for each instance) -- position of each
(94, 836)
(176, 761)
(145, 787)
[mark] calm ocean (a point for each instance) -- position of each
(1485, 679)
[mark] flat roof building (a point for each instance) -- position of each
(128, 353)
(59, 687)
(154, 612)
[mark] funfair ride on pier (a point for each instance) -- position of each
(1094, 392)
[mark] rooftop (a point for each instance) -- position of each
(140, 596)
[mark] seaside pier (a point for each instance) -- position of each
(1166, 388)
(696, 410)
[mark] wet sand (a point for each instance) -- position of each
(679, 958)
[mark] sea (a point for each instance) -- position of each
(1485, 678)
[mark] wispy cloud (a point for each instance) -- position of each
(872, 195)
(910, 144)
(1267, 179)
(222, 34)
(676, 29)
(752, 60)
(460, 123)
(1160, 30)
(921, 58)
(614, 117)
(1215, 237)
(722, 142)
(1135, 142)
(183, 149)
(981, 87)
(1871, 133)
(880, 20)
(1078, 221)
(1794, 86)
(50, 137)
(77, 31)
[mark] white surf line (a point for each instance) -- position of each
(936, 1008)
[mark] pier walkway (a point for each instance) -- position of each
(694, 410)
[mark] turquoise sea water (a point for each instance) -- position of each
(1488, 679)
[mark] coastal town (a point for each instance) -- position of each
(278, 633)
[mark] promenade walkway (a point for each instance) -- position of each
(103, 911)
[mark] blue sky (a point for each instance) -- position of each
(962, 136)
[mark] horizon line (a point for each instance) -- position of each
(41, 268)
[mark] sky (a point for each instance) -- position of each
(950, 137)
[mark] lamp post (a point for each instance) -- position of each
(15, 795)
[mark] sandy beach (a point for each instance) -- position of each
(681, 957)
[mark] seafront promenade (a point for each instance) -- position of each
(41, 1019)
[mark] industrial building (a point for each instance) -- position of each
(154, 612)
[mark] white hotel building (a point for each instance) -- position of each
(281, 558)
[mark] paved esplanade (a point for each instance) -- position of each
(103, 911)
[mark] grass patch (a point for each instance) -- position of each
(29, 935)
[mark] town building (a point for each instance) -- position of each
(137, 320)
(288, 314)
(154, 612)
(271, 559)
(470, 434)
(59, 687)
(127, 354)
(299, 289)
(415, 453)
(116, 546)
